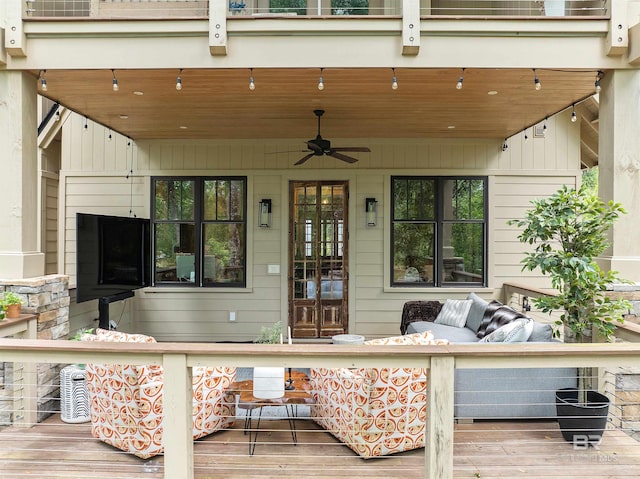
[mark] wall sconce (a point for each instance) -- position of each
(371, 211)
(264, 213)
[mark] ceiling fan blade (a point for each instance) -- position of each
(352, 148)
(342, 157)
(287, 151)
(303, 159)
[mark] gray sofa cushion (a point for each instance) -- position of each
(442, 331)
(478, 306)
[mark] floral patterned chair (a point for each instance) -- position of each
(126, 400)
(374, 411)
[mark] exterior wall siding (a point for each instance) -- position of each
(94, 176)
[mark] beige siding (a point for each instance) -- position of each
(95, 180)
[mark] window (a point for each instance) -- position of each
(438, 231)
(199, 228)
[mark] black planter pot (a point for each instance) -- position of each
(581, 423)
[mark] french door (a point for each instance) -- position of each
(318, 255)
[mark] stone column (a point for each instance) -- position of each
(48, 298)
(619, 165)
(19, 246)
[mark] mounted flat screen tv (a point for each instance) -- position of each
(113, 255)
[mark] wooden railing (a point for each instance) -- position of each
(178, 359)
(517, 295)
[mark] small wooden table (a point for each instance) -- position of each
(292, 397)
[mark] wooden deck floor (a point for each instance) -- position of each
(485, 450)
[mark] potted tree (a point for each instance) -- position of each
(12, 304)
(569, 231)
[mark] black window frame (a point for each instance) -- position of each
(199, 222)
(439, 221)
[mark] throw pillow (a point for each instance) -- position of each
(517, 331)
(495, 316)
(416, 338)
(541, 332)
(454, 312)
(478, 307)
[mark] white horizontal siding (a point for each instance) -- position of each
(95, 181)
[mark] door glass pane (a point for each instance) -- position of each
(175, 246)
(413, 247)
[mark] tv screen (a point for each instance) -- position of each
(113, 255)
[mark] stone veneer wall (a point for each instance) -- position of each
(48, 298)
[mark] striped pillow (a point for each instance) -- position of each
(454, 312)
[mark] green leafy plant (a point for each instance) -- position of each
(569, 231)
(270, 335)
(79, 333)
(10, 298)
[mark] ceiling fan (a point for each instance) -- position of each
(319, 146)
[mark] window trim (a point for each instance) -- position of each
(439, 225)
(199, 223)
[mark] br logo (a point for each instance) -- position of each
(583, 441)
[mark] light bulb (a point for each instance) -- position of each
(57, 117)
(537, 83)
(252, 85)
(115, 80)
(43, 84)
(394, 83)
(320, 84)
(459, 84)
(574, 117)
(178, 83)
(598, 87)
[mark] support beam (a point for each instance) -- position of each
(439, 428)
(619, 165)
(15, 41)
(218, 27)
(410, 27)
(19, 244)
(634, 44)
(617, 41)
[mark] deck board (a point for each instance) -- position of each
(500, 449)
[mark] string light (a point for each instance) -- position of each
(597, 83)
(394, 81)
(43, 80)
(536, 80)
(86, 124)
(544, 126)
(179, 80)
(321, 81)
(526, 137)
(460, 80)
(505, 146)
(252, 84)
(574, 117)
(57, 115)
(115, 80)
(110, 136)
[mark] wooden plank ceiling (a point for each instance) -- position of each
(359, 103)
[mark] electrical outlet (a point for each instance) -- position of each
(232, 315)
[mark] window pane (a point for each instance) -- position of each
(413, 199)
(463, 253)
(175, 246)
(298, 7)
(413, 247)
(174, 200)
(349, 7)
(224, 253)
(223, 200)
(463, 199)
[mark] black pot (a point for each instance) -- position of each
(582, 424)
